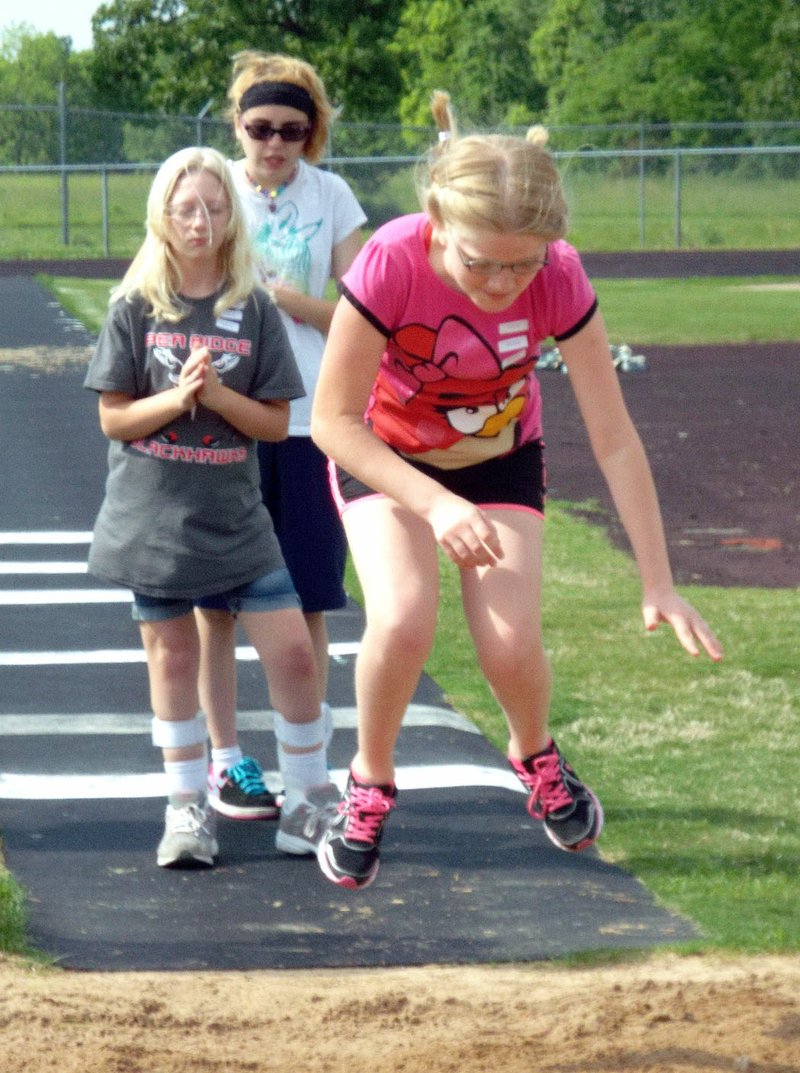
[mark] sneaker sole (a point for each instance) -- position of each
(585, 842)
(234, 812)
(348, 882)
(187, 861)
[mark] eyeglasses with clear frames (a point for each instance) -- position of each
(481, 267)
(186, 213)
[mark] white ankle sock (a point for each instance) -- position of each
(186, 776)
(222, 759)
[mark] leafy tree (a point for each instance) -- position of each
(567, 46)
(771, 91)
(690, 61)
(175, 55)
(477, 51)
(32, 67)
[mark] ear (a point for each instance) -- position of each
(438, 231)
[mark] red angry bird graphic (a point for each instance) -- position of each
(441, 385)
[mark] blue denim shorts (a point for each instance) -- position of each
(270, 592)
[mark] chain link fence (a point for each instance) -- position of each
(73, 181)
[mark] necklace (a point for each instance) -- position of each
(273, 192)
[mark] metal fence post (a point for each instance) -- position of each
(678, 193)
(62, 139)
(104, 203)
(200, 117)
(641, 185)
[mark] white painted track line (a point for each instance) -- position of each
(85, 787)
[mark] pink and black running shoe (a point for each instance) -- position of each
(349, 853)
(572, 815)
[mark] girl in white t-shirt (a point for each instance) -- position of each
(428, 406)
(304, 224)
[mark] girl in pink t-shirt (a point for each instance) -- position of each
(429, 408)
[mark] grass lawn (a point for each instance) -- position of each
(610, 208)
(696, 763)
(664, 311)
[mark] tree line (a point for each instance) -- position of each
(505, 62)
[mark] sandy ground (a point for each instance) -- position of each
(663, 1015)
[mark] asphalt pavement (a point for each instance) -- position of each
(466, 875)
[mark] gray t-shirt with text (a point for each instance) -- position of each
(182, 514)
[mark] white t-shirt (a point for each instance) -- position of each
(294, 246)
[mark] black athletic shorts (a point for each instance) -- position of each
(517, 479)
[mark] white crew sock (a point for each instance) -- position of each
(186, 777)
(223, 759)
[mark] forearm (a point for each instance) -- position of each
(258, 419)
(630, 482)
(127, 419)
(303, 307)
(350, 442)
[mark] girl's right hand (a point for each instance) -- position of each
(467, 536)
(193, 377)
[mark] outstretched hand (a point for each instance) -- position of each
(689, 626)
(466, 535)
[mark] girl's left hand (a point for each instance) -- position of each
(689, 626)
(210, 382)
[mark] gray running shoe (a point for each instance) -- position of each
(300, 830)
(188, 840)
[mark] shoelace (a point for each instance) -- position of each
(247, 775)
(188, 819)
(547, 786)
(366, 808)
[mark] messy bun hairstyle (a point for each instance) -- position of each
(491, 182)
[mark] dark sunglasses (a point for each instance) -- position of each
(262, 131)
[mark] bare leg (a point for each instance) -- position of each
(395, 555)
(318, 629)
(217, 677)
(284, 648)
(173, 658)
(502, 607)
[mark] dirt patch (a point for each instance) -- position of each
(720, 427)
(44, 359)
(666, 1015)
(766, 287)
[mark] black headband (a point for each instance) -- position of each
(286, 93)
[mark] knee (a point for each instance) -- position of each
(512, 662)
(408, 639)
(297, 659)
(175, 659)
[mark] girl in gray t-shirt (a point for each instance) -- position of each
(193, 368)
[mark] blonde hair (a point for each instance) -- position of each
(154, 272)
(251, 67)
(491, 182)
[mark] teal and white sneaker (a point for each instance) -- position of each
(240, 794)
(188, 840)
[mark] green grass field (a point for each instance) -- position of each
(696, 763)
(636, 311)
(607, 211)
